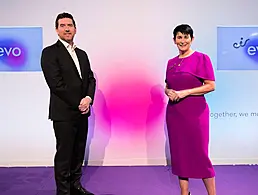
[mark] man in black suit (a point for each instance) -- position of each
(68, 74)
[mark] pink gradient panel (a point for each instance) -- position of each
(132, 102)
(128, 99)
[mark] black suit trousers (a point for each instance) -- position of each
(71, 139)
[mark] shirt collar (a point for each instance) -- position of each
(67, 45)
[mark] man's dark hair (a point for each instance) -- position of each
(64, 15)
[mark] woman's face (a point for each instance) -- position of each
(183, 41)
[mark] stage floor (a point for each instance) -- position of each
(140, 180)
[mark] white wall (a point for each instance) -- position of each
(135, 39)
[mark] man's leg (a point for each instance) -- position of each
(78, 157)
(65, 136)
(79, 151)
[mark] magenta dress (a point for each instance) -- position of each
(188, 119)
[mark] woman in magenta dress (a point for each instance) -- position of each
(188, 77)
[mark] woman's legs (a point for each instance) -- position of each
(208, 182)
(184, 185)
(210, 185)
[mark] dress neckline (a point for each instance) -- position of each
(186, 56)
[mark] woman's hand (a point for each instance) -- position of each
(171, 94)
(181, 94)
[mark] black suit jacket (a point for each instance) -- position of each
(66, 87)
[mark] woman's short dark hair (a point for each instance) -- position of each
(184, 29)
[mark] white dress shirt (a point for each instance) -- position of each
(71, 50)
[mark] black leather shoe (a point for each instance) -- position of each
(80, 191)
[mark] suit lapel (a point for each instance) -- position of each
(80, 62)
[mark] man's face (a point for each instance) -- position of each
(66, 29)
